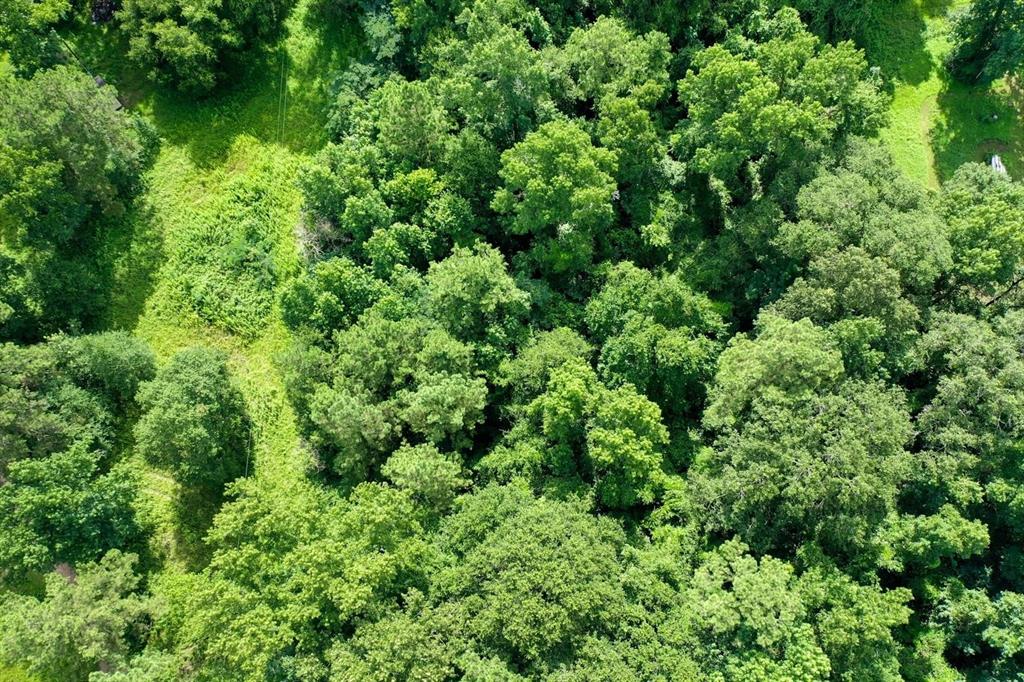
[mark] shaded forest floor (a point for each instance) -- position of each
(936, 124)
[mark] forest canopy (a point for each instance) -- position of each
(588, 341)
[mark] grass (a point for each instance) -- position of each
(15, 675)
(936, 124)
(202, 256)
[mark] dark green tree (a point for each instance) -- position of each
(988, 41)
(68, 158)
(193, 420)
(192, 44)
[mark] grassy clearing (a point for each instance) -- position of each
(201, 258)
(936, 124)
(15, 675)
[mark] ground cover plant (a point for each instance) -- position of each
(511, 340)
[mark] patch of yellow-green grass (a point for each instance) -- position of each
(15, 675)
(936, 124)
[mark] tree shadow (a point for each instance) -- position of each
(194, 510)
(894, 41)
(278, 95)
(936, 8)
(976, 122)
(129, 254)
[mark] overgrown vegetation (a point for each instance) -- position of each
(499, 340)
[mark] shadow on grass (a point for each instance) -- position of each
(129, 256)
(281, 95)
(974, 123)
(194, 510)
(894, 41)
(936, 8)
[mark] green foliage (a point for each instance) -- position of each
(607, 60)
(62, 412)
(553, 375)
(227, 266)
(496, 80)
(866, 202)
(578, 428)
(26, 32)
(67, 160)
(193, 420)
(859, 300)
(191, 44)
(431, 477)
(803, 453)
(988, 39)
(984, 211)
(558, 188)
(389, 378)
(656, 334)
(63, 508)
(745, 618)
(473, 298)
(89, 621)
(758, 111)
(287, 570)
(330, 296)
(528, 583)
(409, 219)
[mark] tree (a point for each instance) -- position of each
(329, 297)
(191, 45)
(471, 295)
(578, 429)
(63, 406)
(558, 188)
(626, 129)
(803, 453)
(383, 216)
(988, 41)
(526, 375)
(768, 106)
(432, 477)
(90, 621)
(865, 201)
(656, 334)
(64, 509)
(985, 210)
(491, 73)
(193, 420)
(860, 301)
(744, 618)
(26, 32)
(840, 19)
(391, 379)
(67, 159)
(526, 583)
(289, 568)
(606, 60)
(409, 122)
